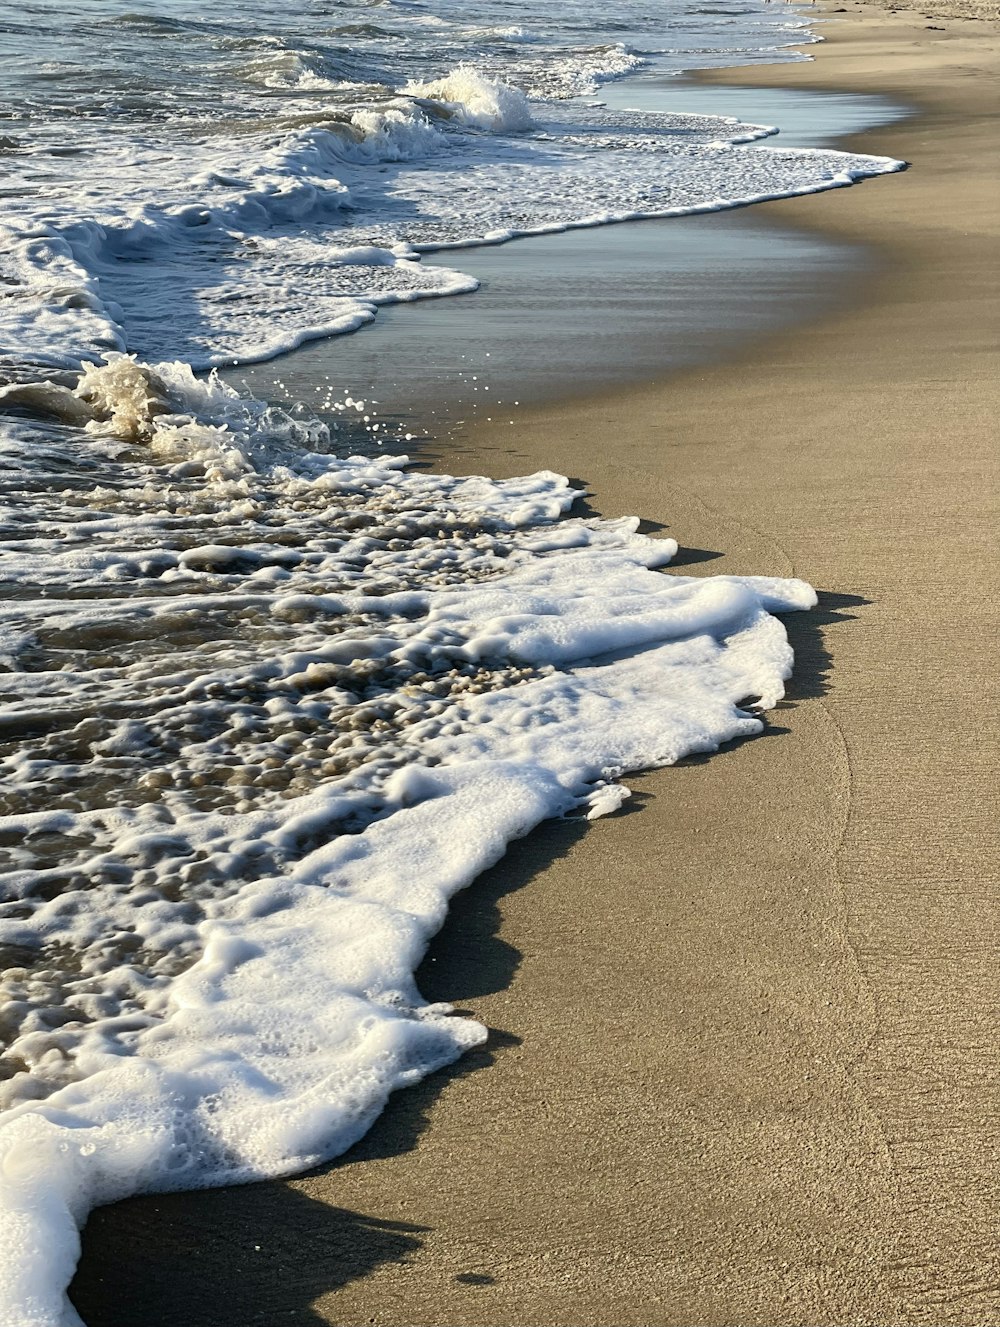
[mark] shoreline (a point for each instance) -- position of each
(739, 1063)
(600, 309)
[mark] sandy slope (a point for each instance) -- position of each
(744, 1069)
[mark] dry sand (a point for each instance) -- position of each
(744, 1068)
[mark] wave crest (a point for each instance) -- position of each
(477, 101)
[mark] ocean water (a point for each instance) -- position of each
(272, 696)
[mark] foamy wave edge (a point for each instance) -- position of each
(61, 298)
(280, 1045)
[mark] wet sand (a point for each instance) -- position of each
(743, 1066)
(595, 309)
(560, 316)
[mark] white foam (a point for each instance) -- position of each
(482, 103)
(321, 695)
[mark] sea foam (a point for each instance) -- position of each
(268, 709)
(481, 103)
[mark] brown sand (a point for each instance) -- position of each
(744, 1069)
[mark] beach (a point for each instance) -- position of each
(741, 1066)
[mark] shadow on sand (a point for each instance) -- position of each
(260, 1254)
(807, 636)
(265, 1253)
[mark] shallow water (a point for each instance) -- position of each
(560, 316)
(594, 309)
(223, 189)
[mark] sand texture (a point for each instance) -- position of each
(974, 9)
(744, 1066)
